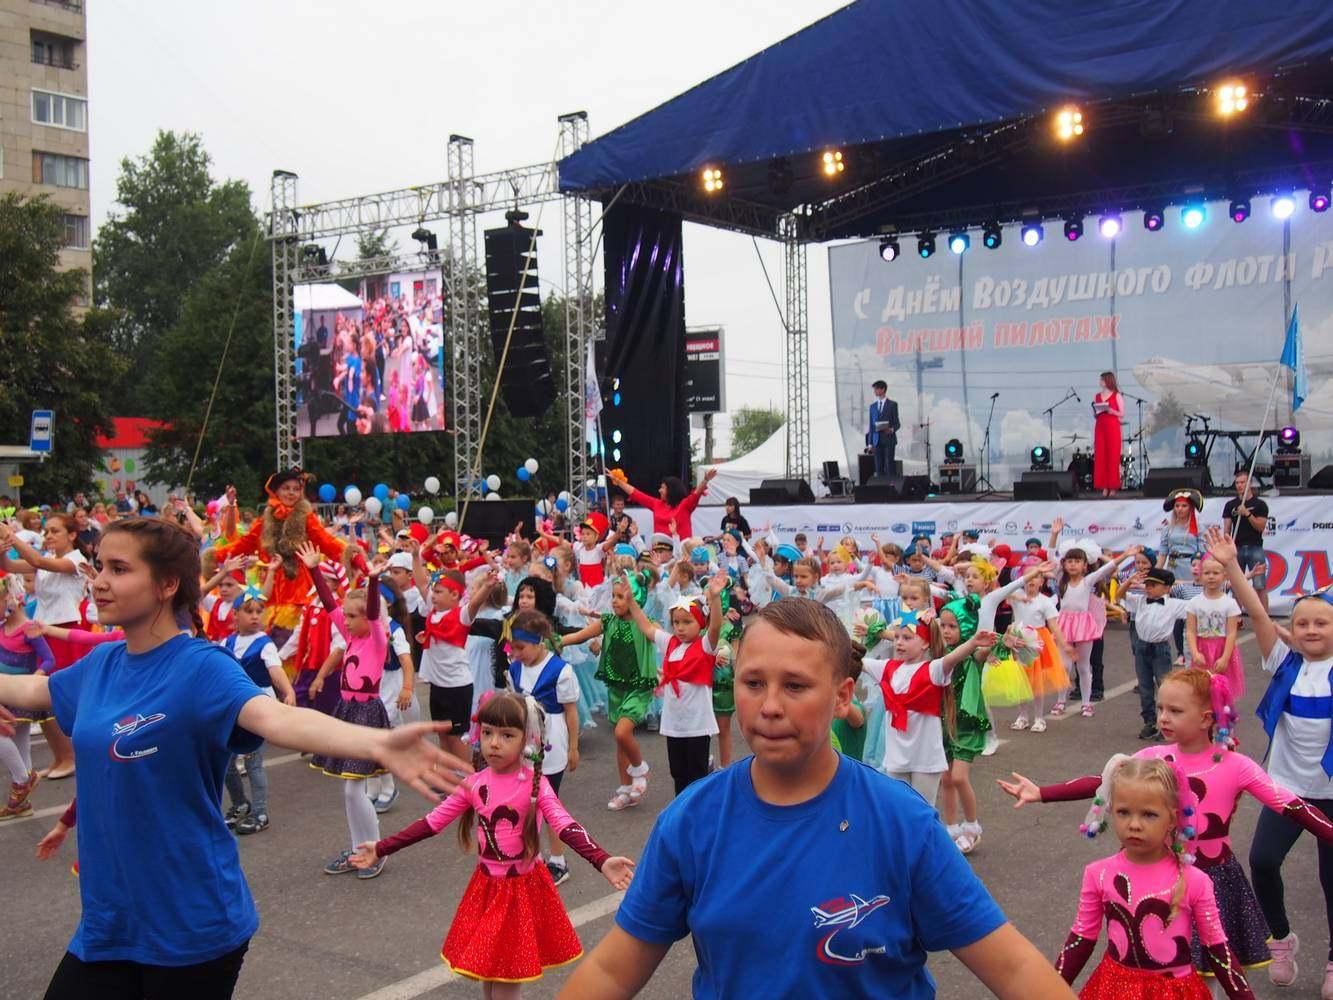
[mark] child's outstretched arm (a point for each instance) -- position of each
(590, 631)
(1082, 940)
(618, 871)
(982, 637)
(311, 556)
(1024, 790)
(1222, 548)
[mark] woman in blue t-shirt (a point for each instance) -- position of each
(154, 719)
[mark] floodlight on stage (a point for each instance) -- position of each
(1194, 453)
(712, 179)
(1068, 123)
(1283, 205)
(1289, 441)
(832, 162)
(992, 236)
(1319, 201)
(1032, 234)
(1193, 216)
(1231, 98)
(1041, 458)
(925, 245)
(889, 249)
(1073, 228)
(1153, 219)
(1240, 209)
(616, 436)
(1110, 225)
(959, 242)
(953, 451)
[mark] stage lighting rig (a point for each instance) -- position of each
(1193, 215)
(925, 245)
(1283, 205)
(1289, 441)
(959, 242)
(1231, 98)
(314, 255)
(1068, 123)
(1319, 200)
(712, 179)
(1073, 228)
(953, 452)
(1041, 458)
(831, 163)
(992, 236)
(889, 249)
(1194, 453)
(1240, 209)
(430, 247)
(1033, 233)
(1110, 225)
(1153, 219)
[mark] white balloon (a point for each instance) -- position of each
(531, 466)
(425, 515)
(589, 484)
(601, 481)
(373, 506)
(543, 507)
(451, 519)
(492, 482)
(432, 485)
(352, 495)
(492, 496)
(565, 496)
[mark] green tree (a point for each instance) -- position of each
(54, 359)
(751, 426)
(176, 226)
(237, 441)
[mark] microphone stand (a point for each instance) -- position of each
(1143, 449)
(1050, 418)
(926, 428)
(984, 464)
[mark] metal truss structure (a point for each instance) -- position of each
(459, 200)
(581, 325)
(798, 348)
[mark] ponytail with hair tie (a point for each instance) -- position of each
(1187, 832)
(1095, 821)
(1225, 715)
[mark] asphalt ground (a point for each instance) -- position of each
(340, 938)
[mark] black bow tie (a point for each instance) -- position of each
(1156, 600)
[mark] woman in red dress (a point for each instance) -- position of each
(1106, 437)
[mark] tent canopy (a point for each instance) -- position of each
(325, 295)
(888, 80)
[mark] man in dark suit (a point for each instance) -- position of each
(883, 434)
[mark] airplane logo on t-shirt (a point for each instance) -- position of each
(842, 914)
(128, 726)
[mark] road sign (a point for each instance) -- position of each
(16, 481)
(42, 431)
(705, 378)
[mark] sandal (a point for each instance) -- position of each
(1039, 726)
(621, 800)
(1058, 709)
(1087, 712)
(1020, 724)
(965, 843)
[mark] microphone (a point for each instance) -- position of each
(1076, 395)
(994, 395)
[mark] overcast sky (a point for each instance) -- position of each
(360, 97)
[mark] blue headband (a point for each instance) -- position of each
(523, 635)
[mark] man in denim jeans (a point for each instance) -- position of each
(1246, 516)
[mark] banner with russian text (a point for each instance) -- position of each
(1191, 321)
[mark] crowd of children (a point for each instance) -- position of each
(524, 647)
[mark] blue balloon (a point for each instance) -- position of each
(381, 492)
(523, 474)
(403, 501)
(327, 492)
(561, 504)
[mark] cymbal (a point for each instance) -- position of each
(1071, 438)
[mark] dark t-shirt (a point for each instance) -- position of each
(1245, 533)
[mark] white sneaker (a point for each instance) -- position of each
(1039, 726)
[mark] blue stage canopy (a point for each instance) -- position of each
(879, 71)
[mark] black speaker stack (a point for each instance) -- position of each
(525, 379)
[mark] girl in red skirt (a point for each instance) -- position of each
(510, 925)
(1150, 894)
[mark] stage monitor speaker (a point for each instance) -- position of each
(526, 377)
(782, 491)
(1291, 471)
(958, 478)
(1323, 479)
(865, 468)
(1049, 484)
(1161, 481)
(893, 489)
(493, 520)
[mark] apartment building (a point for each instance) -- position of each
(44, 112)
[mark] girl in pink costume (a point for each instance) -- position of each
(1212, 624)
(1152, 897)
(1190, 702)
(20, 653)
(510, 925)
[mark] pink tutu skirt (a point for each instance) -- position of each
(1081, 626)
(1234, 669)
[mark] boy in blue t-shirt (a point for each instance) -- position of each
(800, 852)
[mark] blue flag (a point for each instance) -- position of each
(1293, 357)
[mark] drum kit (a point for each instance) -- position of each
(1080, 463)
